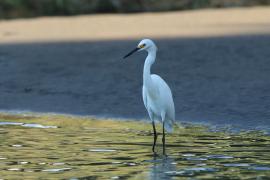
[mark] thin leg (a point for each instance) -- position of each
(155, 136)
(163, 139)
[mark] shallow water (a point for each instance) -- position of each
(89, 149)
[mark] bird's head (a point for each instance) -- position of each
(145, 44)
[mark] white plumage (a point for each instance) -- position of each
(157, 96)
(159, 104)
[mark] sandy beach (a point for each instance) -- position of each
(199, 23)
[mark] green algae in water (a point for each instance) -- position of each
(83, 148)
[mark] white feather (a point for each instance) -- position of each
(157, 95)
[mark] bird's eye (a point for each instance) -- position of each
(142, 46)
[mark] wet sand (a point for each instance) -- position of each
(216, 62)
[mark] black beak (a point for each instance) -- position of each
(131, 52)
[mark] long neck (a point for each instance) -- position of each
(150, 59)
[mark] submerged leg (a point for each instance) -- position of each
(163, 139)
(163, 115)
(154, 129)
(155, 137)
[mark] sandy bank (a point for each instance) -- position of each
(236, 21)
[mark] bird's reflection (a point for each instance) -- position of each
(160, 168)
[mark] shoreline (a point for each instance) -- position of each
(229, 128)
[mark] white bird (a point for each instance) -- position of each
(157, 95)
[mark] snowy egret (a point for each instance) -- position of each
(157, 95)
